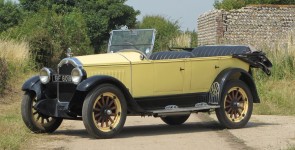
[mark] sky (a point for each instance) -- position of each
(186, 12)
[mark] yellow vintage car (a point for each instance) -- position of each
(129, 80)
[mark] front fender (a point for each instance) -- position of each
(34, 84)
(237, 73)
(92, 82)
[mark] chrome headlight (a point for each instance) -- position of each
(45, 75)
(76, 75)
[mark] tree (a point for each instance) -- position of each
(236, 4)
(166, 30)
(10, 15)
(104, 15)
(101, 16)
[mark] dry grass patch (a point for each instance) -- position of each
(14, 62)
(11, 50)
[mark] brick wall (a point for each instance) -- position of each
(255, 25)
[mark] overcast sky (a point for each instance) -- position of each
(185, 11)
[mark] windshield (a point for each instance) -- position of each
(139, 39)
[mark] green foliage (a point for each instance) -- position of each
(236, 4)
(52, 26)
(166, 30)
(101, 16)
(50, 34)
(277, 91)
(10, 15)
(229, 4)
(112, 13)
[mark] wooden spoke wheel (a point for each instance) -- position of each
(34, 120)
(236, 105)
(104, 111)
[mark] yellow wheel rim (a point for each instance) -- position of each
(106, 111)
(236, 104)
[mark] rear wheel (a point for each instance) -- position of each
(175, 120)
(34, 120)
(236, 105)
(104, 111)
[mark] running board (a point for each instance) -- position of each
(174, 110)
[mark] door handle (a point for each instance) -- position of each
(181, 69)
(216, 67)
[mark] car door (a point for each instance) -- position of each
(168, 76)
(203, 72)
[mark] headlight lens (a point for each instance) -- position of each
(76, 75)
(45, 74)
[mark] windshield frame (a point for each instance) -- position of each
(152, 44)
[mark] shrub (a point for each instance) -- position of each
(50, 35)
(3, 75)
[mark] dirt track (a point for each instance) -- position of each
(199, 132)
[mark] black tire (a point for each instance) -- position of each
(104, 111)
(35, 121)
(175, 120)
(236, 105)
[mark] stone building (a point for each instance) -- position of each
(255, 25)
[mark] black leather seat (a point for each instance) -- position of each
(171, 55)
(207, 51)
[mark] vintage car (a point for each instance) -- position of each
(131, 80)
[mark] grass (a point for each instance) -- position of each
(14, 51)
(277, 91)
(182, 40)
(13, 131)
(14, 61)
(15, 64)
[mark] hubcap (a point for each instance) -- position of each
(106, 111)
(236, 104)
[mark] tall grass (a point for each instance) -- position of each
(14, 61)
(277, 91)
(14, 51)
(182, 40)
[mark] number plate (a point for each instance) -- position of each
(61, 78)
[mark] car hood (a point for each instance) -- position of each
(119, 58)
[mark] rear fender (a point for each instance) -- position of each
(237, 73)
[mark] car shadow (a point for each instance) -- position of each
(161, 129)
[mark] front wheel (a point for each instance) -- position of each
(104, 111)
(34, 120)
(175, 120)
(236, 105)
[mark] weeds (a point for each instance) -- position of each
(14, 61)
(277, 91)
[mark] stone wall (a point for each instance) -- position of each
(252, 25)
